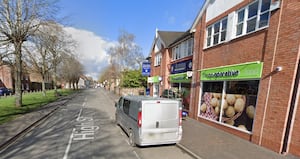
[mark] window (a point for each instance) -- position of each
(231, 103)
(126, 104)
(183, 49)
(157, 59)
(216, 33)
(253, 17)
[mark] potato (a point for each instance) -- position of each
(203, 108)
(225, 105)
(217, 110)
(243, 127)
(230, 111)
(217, 95)
(229, 122)
(230, 98)
(215, 102)
(250, 110)
(239, 105)
(238, 96)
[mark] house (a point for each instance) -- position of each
(7, 77)
(160, 61)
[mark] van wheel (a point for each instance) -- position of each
(131, 139)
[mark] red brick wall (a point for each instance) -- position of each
(277, 45)
(6, 76)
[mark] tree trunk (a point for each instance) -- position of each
(43, 86)
(54, 82)
(18, 74)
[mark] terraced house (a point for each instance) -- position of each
(245, 70)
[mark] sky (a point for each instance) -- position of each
(96, 24)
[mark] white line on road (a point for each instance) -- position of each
(137, 156)
(69, 144)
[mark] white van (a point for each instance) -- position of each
(150, 121)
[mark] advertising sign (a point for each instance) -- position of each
(146, 68)
(181, 67)
(251, 70)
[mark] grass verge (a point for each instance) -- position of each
(30, 101)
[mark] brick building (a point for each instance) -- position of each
(160, 61)
(246, 71)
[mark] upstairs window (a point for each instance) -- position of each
(157, 60)
(216, 33)
(183, 49)
(253, 17)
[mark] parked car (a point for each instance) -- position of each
(5, 91)
(148, 120)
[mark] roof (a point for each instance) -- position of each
(168, 37)
(140, 98)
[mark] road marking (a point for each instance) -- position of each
(79, 114)
(136, 155)
(69, 144)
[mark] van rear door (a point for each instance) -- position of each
(161, 121)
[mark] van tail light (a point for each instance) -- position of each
(180, 117)
(139, 121)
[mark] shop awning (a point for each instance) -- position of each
(180, 78)
(250, 70)
(153, 79)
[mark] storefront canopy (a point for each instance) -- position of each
(251, 70)
(180, 78)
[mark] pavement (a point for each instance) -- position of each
(199, 140)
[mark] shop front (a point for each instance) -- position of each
(154, 81)
(180, 79)
(229, 94)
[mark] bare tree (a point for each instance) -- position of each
(19, 21)
(71, 70)
(125, 55)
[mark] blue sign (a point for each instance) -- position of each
(146, 68)
(181, 67)
(147, 91)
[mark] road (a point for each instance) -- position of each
(84, 129)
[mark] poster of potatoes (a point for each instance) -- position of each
(235, 109)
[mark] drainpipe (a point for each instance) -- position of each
(292, 111)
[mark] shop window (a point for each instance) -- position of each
(211, 100)
(233, 104)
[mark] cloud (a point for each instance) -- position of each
(91, 50)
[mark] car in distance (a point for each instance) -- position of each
(4, 91)
(148, 120)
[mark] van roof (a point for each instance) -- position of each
(140, 98)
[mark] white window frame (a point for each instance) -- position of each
(157, 59)
(246, 19)
(183, 49)
(209, 42)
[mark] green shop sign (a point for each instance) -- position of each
(154, 79)
(180, 78)
(251, 70)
